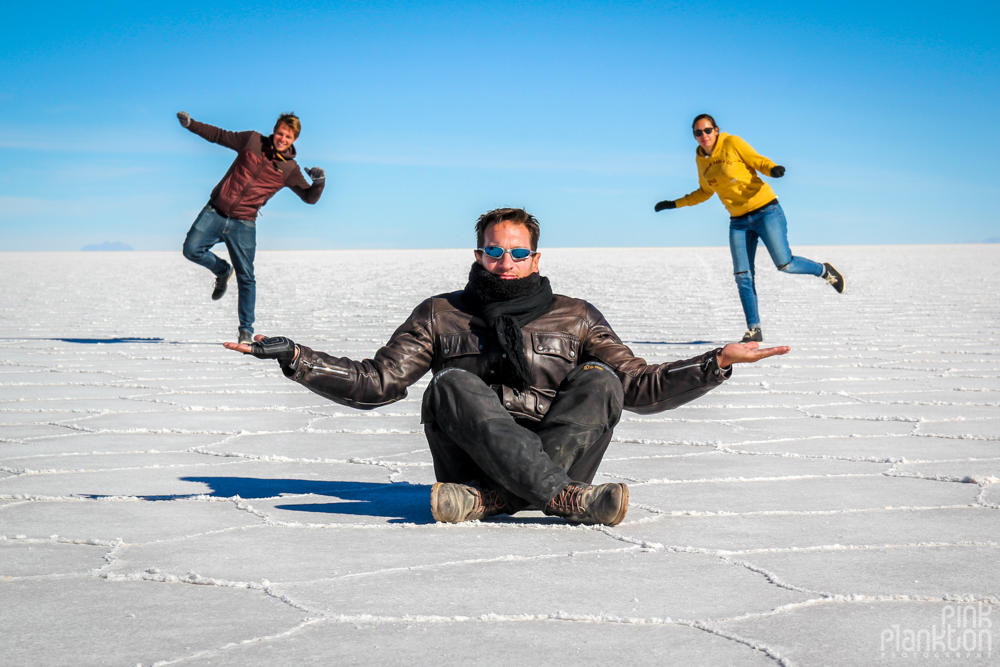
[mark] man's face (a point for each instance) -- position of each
(284, 137)
(508, 235)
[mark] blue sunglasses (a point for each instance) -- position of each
(516, 254)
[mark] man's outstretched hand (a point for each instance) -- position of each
(277, 347)
(184, 117)
(748, 353)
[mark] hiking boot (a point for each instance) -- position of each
(833, 276)
(455, 503)
(605, 504)
(246, 337)
(753, 335)
(221, 283)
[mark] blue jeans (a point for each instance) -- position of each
(767, 223)
(240, 237)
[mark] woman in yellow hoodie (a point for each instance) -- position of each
(728, 166)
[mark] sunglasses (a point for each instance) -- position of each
(707, 130)
(516, 254)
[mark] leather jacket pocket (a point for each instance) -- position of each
(559, 345)
(459, 344)
(553, 356)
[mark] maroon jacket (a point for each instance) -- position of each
(256, 174)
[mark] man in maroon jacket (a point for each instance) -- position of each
(263, 166)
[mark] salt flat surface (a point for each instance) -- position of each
(166, 502)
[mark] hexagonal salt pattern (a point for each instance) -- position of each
(164, 501)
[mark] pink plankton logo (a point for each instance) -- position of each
(966, 631)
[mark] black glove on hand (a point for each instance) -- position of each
(777, 172)
(316, 173)
(664, 205)
(184, 117)
(277, 347)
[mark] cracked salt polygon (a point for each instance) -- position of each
(864, 529)
(876, 448)
(724, 466)
(49, 558)
(533, 586)
(312, 520)
(889, 571)
(832, 494)
(844, 630)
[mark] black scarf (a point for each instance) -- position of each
(508, 305)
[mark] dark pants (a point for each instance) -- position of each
(240, 237)
(473, 438)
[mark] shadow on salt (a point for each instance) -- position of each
(400, 502)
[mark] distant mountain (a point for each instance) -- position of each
(992, 239)
(107, 245)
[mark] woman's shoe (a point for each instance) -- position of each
(833, 276)
(753, 335)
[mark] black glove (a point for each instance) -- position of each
(777, 171)
(184, 117)
(665, 205)
(316, 173)
(277, 347)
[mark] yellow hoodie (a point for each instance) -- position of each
(731, 172)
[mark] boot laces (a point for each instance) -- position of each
(569, 500)
(488, 500)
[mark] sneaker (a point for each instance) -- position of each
(246, 337)
(753, 335)
(605, 504)
(455, 503)
(833, 277)
(221, 283)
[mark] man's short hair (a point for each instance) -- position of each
(291, 120)
(516, 215)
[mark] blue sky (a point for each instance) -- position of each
(425, 115)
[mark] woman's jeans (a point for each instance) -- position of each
(766, 223)
(240, 237)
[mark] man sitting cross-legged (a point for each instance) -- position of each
(528, 385)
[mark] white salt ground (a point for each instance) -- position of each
(166, 502)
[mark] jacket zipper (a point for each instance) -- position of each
(251, 181)
(325, 369)
(681, 368)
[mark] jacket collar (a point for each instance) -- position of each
(718, 145)
(273, 154)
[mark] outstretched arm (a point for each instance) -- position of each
(233, 140)
(653, 388)
(702, 194)
(747, 353)
(363, 384)
(310, 194)
(282, 349)
(753, 158)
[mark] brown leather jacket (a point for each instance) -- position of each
(256, 174)
(443, 333)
